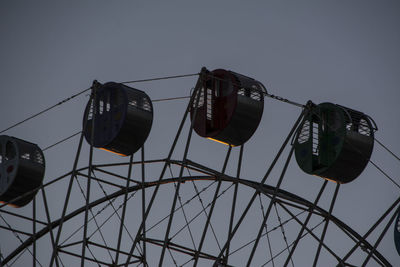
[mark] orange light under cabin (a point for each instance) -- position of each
(219, 141)
(123, 155)
(9, 204)
(330, 180)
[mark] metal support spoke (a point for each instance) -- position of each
(113, 207)
(98, 168)
(34, 231)
(203, 235)
(283, 250)
(265, 218)
(140, 230)
(97, 214)
(304, 225)
(183, 212)
(85, 258)
(108, 248)
(234, 199)
(380, 237)
(22, 217)
(91, 253)
(202, 205)
(67, 198)
(98, 180)
(266, 231)
(283, 230)
(300, 118)
(19, 239)
(46, 207)
(187, 202)
(202, 211)
(98, 227)
(309, 231)
(143, 205)
(88, 183)
(185, 153)
(15, 230)
(365, 236)
(121, 225)
(172, 257)
(326, 224)
(269, 231)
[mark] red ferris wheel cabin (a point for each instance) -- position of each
(229, 106)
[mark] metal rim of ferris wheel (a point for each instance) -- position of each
(323, 138)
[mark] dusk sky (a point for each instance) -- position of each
(344, 52)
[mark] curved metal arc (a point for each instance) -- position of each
(265, 189)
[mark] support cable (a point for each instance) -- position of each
(113, 207)
(305, 234)
(269, 231)
(275, 97)
(162, 78)
(61, 141)
(283, 231)
(97, 225)
(160, 178)
(46, 207)
(233, 208)
(202, 205)
(19, 238)
(326, 225)
(266, 231)
(200, 212)
(384, 173)
(250, 203)
(183, 211)
(97, 214)
(365, 236)
(172, 257)
(91, 253)
(196, 257)
(370, 254)
(187, 202)
(122, 225)
(304, 224)
(109, 217)
(88, 89)
(45, 110)
(88, 182)
(185, 153)
(2, 258)
(265, 218)
(387, 149)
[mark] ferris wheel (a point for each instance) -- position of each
(177, 211)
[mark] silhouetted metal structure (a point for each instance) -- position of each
(335, 142)
(397, 233)
(122, 119)
(229, 108)
(22, 168)
(118, 118)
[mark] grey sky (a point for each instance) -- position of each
(345, 52)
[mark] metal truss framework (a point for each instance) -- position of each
(195, 248)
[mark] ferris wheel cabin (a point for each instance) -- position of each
(122, 119)
(22, 168)
(227, 107)
(334, 142)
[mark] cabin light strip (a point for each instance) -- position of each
(9, 204)
(331, 180)
(220, 141)
(123, 155)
